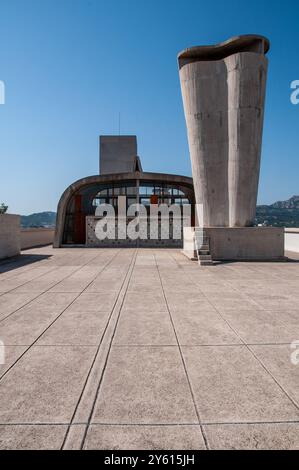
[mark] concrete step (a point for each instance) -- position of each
(204, 248)
(202, 244)
(205, 262)
(204, 257)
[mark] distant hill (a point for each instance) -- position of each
(292, 203)
(40, 219)
(279, 214)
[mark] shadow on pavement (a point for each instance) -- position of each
(20, 261)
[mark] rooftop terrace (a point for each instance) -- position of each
(126, 349)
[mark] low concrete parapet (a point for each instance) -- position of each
(34, 237)
(9, 235)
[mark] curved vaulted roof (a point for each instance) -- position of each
(112, 178)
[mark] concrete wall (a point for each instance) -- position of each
(9, 235)
(292, 239)
(32, 237)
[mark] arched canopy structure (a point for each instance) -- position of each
(81, 198)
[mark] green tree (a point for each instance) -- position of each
(3, 208)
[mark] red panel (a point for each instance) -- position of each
(79, 221)
(154, 199)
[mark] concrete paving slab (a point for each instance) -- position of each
(280, 436)
(45, 384)
(46, 281)
(25, 325)
(202, 328)
(50, 301)
(11, 354)
(258, 326)
(145, 385)
(278, 361)
(144, 328)
(12, 301)
(144, 437)
(145, 302)
(230, 386)
(83, 328)
(104, 286)
(30, 437)
(95, 302)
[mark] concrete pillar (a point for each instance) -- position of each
(223, 89)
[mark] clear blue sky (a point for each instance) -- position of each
(70, 66)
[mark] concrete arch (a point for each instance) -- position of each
(183, 181)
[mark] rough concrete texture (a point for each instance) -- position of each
(204, 92)
(246, 79)
(9, 235)
(223, 89)
(246, 243)
(143, 349)
(117, 154)
(238, 243)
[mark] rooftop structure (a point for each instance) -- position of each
(121, 174)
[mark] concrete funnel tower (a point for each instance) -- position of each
(223, 89)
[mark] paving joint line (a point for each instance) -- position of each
(128, 278)
(91, 369)
(208, 423)
(205, 439)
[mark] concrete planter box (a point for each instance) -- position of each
(9, 235)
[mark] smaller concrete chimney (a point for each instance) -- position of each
(118, 154)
